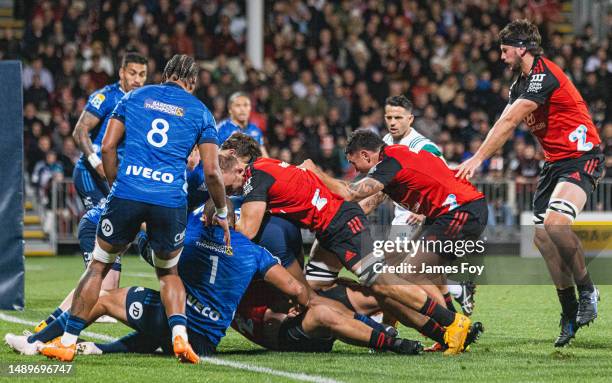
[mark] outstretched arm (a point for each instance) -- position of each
(498, 135)
(355, 191)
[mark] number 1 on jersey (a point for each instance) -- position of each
(213, 270)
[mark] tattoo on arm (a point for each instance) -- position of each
(372, 202)
(86, 123)
(364, 188)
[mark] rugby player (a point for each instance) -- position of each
(160, 125)
(418, 180)
(299, 195)
(215, 283)
(87, 237)
(239, 109)
(398, 119)
(545, 99)
(89, 176)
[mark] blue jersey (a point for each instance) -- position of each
(162, 125)
(227, 127)
(281, 237)
(197, 191)
(101, 104)
(215, 281)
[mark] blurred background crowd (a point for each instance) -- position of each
(328, 67)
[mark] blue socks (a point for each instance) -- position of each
(52, 331)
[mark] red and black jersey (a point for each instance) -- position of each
(421, 181)
(561, 123)
(294, 193)
(249, 319)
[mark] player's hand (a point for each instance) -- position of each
(193, 159)
(468, 168)
(308, 165)
(225, 226)
(294, 311)
(415, 219)
(100, 171)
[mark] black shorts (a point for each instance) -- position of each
(146, 314)
(348, 235)
(87, 241)
(337, 293)
(122, 218)
(291, 337)
(467, 222)
(585, 171)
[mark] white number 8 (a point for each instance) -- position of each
(156, 130)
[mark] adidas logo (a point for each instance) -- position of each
(576, 176)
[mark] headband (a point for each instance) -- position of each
(519, 43)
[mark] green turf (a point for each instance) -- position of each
(521, 323)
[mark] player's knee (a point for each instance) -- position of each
(102, 255)
(555, 223)
(560, 212)
(166, 260)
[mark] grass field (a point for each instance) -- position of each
(521, 324)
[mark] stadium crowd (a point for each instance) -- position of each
(327, 70)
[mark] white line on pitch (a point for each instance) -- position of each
(10, 318)
(266, 370)
(218, 361)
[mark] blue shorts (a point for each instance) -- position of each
(121, 220)
(90, 187)
(87, 241)
(282, 238)
(146, 314)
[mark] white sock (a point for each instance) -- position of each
(179, 330)
(455, 289)
(69, 339)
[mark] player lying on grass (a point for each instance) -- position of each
(147, 189)
(281, 189)
(215, 278)
(239, 144)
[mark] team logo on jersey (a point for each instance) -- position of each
(451, 202)
(107, 227)
(248, 187)
(135, 310)
(180, 237)
(535, 83)
(164, 108)
(284, 164)
(98, 100)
